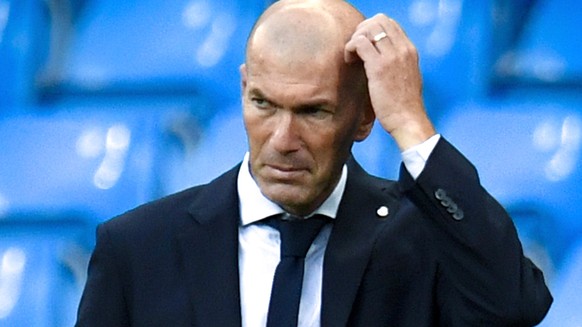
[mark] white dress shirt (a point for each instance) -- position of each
(259, 244)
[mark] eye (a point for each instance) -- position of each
(260, 102)
(310, 110)
(318, 112)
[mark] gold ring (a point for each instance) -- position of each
(379, 37)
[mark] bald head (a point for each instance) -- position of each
(303, 31)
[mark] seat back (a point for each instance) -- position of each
(43, 260)
(98, 162)
(23, 47)
(174, 48)
(547, 51)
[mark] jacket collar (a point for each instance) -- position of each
(210, 253)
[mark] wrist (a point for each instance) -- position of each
(413, 133)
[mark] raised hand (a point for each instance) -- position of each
(394, 79)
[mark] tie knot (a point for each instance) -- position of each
(297, 233)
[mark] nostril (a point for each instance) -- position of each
(285, 138)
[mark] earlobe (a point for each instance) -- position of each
(366, 125)
(243, 76)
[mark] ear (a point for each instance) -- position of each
(366, 123)
(243, 76)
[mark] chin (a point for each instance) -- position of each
(287, 196)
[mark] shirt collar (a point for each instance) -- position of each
(254, 206)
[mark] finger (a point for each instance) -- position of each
(370, 30)
(350, 50)
(367, 31)
(350, 53)
(384, 33)
(374, 29)
(376, 19)
(396, 37)
(360, 47)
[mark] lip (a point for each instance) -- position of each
(285, 172)
(284, 168)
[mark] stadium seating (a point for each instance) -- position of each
(23, 46)
(219, 146)
(97, 161)
(378, 154)
(43, 259)
(139, 48)
(565, 311)
(547, 49)
(82, 165)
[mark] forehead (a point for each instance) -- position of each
(278, 78)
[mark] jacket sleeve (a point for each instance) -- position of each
(102, 302)
(485, 278)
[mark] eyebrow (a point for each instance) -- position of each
(257, 92)
(321, 103)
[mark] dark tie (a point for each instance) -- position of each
(297, 234)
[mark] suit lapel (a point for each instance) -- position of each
(354, 233)
(209, 246)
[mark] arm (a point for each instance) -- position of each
(486, 280)
(485, 277)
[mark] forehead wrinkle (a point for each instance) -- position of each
(314, 95)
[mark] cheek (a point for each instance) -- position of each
(325, 150)
(257, 131)
(332, 152)
(253, 128)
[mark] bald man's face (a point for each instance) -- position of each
(301, 119)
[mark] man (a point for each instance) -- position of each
(433, 249)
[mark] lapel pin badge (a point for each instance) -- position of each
(383, 212)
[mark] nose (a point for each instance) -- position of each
(285, 137)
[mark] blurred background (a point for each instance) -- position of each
(107, 104)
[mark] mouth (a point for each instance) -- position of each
(284, 172)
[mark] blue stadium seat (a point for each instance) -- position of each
(84, 164)
(174, 48)
(101, 162)
(565, 311)
(23, 47)
(379, 154)
(528, 150)
(43, 260)
(548, 49)
(188, 161)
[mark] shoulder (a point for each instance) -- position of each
(363, 183)
(173, 211)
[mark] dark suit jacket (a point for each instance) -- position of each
(447, 254)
